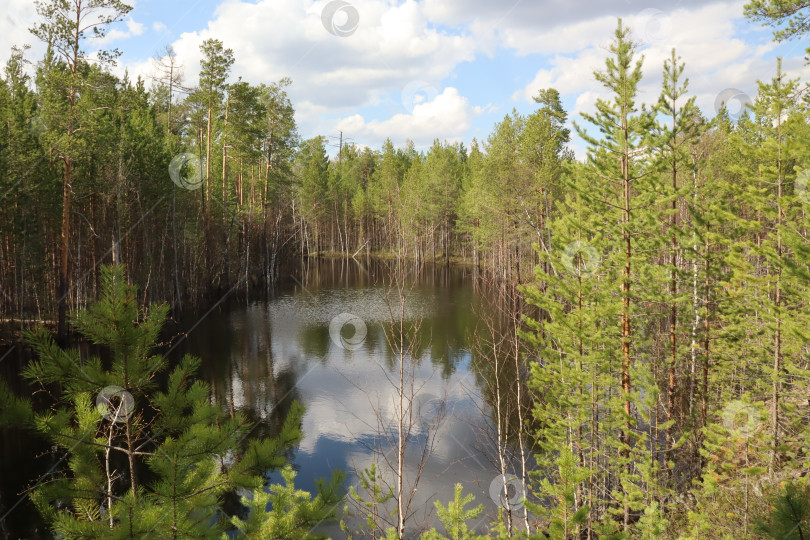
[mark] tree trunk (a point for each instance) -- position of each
(225, 235)
(626, 333)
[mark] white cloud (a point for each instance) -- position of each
(115, 33)
(539, 15)
(19, 17)
(704, 37)
(392, 45)
(447, 116)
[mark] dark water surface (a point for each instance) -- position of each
(259, 355)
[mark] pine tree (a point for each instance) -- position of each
(65, 29)
(788, 17)
(384, 194)
(454, 517)
(313, 172)
(574, 381)
(620, 166)
(369, 503)
(543, 149)
(678, 132)
(28, 187)
(759, 256)
(789, 518)
(214, 69)
(113, 423)
(470, 201)
(292, 512)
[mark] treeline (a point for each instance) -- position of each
(85, 158)
(486, 205)
(204, 189)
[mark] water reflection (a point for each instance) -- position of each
(260, 357)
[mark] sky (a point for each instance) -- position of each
(440, 69)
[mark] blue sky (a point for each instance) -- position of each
(447, 69)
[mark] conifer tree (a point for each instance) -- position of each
(28, 188)
(788, 17)
(112, 424)
(454, 517)
(65, 28)
(543, 147)
(574, 381)
(214, 69)
(289, 513)
(620, 166)
(790, 517)
(313, 166)
(760, 257)
(678, 131)
(369, 503)
(471, 203)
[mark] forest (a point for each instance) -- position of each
(657, 346)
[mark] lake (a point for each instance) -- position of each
(320, 338)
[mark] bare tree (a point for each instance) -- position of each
(499, 353)
(169, 74)
(406, 435)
